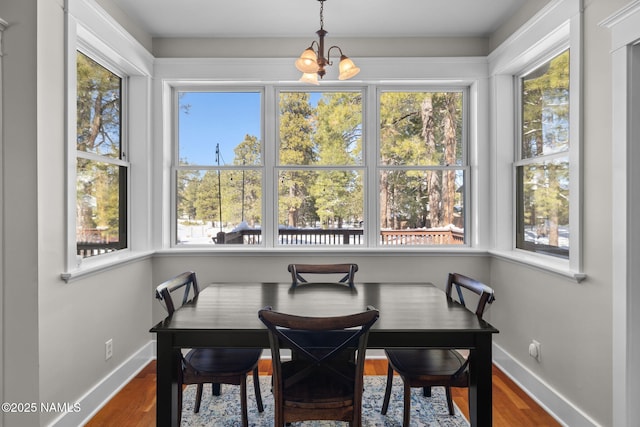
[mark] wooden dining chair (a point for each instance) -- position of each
(210, 365)
(429, 367)
(324, 382)
(299, 271)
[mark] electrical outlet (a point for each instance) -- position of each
(534, 350)
(108, 349)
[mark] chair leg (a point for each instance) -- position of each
(407, 405)
(256, 388)
(387, 391)
(216, 389)
(450, 400)
(243, 403)
(278, 413)
(196, 407)
(180, 403)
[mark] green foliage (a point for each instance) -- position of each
(98, 131)
(419, 129)
(544, 185)
(545, 108)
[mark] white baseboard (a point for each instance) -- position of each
(108, 387)
(565, 412)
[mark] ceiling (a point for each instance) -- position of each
(301, 18)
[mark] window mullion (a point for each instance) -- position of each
(270, 182)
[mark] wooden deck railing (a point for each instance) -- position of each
(422, 237)
(301, 236)
(307, 236)
(89, 249)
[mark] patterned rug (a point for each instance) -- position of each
(224, 410)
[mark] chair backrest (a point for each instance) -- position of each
(185, 282)
(319, 341)
(460, 281)
(298, 270)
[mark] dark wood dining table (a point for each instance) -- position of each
(411, 315)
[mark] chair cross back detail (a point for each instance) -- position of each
(460, 281)
(186, 280)
(324, 381)
(335, 335)
(299, 270)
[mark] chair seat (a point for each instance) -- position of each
(223, 361)
(427, 364)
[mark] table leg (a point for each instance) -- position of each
(480, 387)
(166, 382)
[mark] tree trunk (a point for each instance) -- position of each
(450, 143)
(430, 142)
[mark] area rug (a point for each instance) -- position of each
(224, 410)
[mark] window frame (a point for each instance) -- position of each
(278, 166)
(370, 166)
(520, 161)
(176, 166)
(92, 32)
(122, 160)
(555, 29)
(465, 167)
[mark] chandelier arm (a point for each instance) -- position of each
(329, 62)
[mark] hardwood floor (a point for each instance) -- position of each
(135, 404)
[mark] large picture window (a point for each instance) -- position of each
(102, 167)
(542, 169)
(319, 169)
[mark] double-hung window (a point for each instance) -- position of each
(320, 168)
(537, 112)
(542, 167)
(101, 159)
(220, 167)
(422, 168)
(108, 156)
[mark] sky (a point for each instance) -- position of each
(210, 118)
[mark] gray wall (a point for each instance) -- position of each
(20, 231)
(54, 332)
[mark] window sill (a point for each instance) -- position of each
(239, 250)
(557, 267)
(104, 263)
(543, 263)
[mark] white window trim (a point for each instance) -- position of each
(556, 27)
(91, 30)
(437, 73)
(625, 55)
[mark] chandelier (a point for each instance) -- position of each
(312, 61)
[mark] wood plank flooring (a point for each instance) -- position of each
(135, 404)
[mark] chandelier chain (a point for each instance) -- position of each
(322, 14)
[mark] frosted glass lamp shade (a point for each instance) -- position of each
(347, 68)
(311, 78)
(308, 61)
